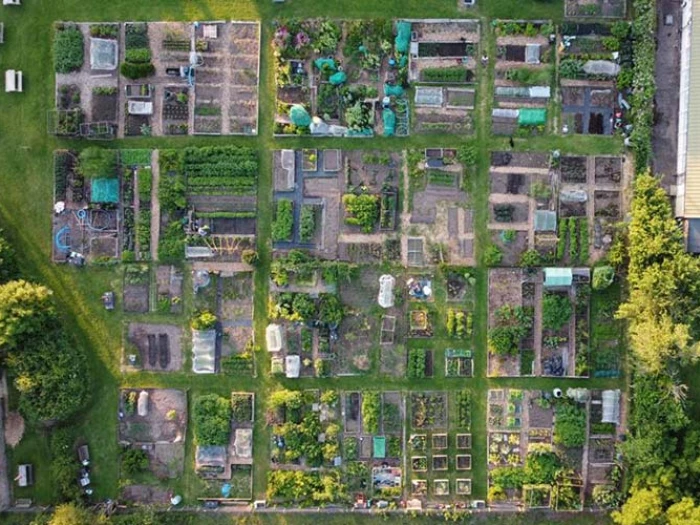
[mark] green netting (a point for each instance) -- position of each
(104, 191)
(379, 447)
(338, 78)
(299, 116)
(395, 91)
(532, 117)
(403, 37)
(328, 63)
(389, 122)
(558, 277)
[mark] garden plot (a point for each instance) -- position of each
(333, 201)
(212, 191)
(606, 421)
(607, 346)
(522, 214)
(86, 59)
(236, 318)
(153, 347)
(524, 74)
(595, 8)
(348, 75)
(529, 429)
(594, 64)
(444, 102)
(169, 289)
(440, 218)
(372, 446)
(439, 448)
(155, 421)
(137, 281)
(85, 223)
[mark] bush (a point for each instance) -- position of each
(145, 177)
(530, 258)
(363, 211)
(97, 163)
(603, 277)
(203, 321)
(134, 460)
(64, 467)
(556, 311)
(68, 51)
(569, 424)
(308, 223)
(492, 255)
(283, 225)
(135, 71)
(104, 30)
(138, 56)
(512, 325)
(444, 74)
(212, 420)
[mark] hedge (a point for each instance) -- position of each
(134, 71)
(68, 52)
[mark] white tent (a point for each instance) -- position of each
(273, 337)
(611, 406)
(292, 366)
(204, 351)
(386, 291)
(13, 81)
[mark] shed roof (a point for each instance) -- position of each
(545, 221)
(611, 406)
(104, 190)
(292, 366)
(532, 53)
(558, 277)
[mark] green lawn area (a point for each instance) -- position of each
(25, 214)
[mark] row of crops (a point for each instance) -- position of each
(220, 170)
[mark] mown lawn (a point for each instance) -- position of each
(26, 200)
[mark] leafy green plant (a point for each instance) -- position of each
(464, 409)
(203, 321)
(416, 363)
(135, 71)
(308, 223)
(371, 406)
(211, 416)
(98, 163)
(569, 424)
(362, 210)
(493, 255)
(512, 325)
(283, 224)
(134, 460)
(68, 50)
(556, 311)
(573, 245)
(138, 55)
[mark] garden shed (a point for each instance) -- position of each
(386, 291)
(13, 81)
(273, 338)
(292, 365)
(104, 191)
(379, 446)
(204, 351)
(611, 406)
(545, 221)
(558, 277)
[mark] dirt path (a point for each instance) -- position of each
(4, 480)
(155, 205)
(538, 328)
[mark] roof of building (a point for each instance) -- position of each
(558, 277)
(691, 119)
(379, 443)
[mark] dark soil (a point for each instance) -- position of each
(104, 108)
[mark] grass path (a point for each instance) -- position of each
(26, 194)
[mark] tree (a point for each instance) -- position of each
(26, 310)
(683, 513)
(72, 514)
(644, 507)
(8, 261)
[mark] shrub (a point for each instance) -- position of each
(104, 30)
(203, 321)
(145, 177)
(530, 258)
(68, 51)
(603, 277)
(134, 71)
(556, 311)
(212, 420)
(569, 424)
(363, 210)
(444, 74)
(138, 56)
(308, 223)
(283, 225)
(492, 255)
(134, 460)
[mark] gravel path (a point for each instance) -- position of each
(155, 204)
